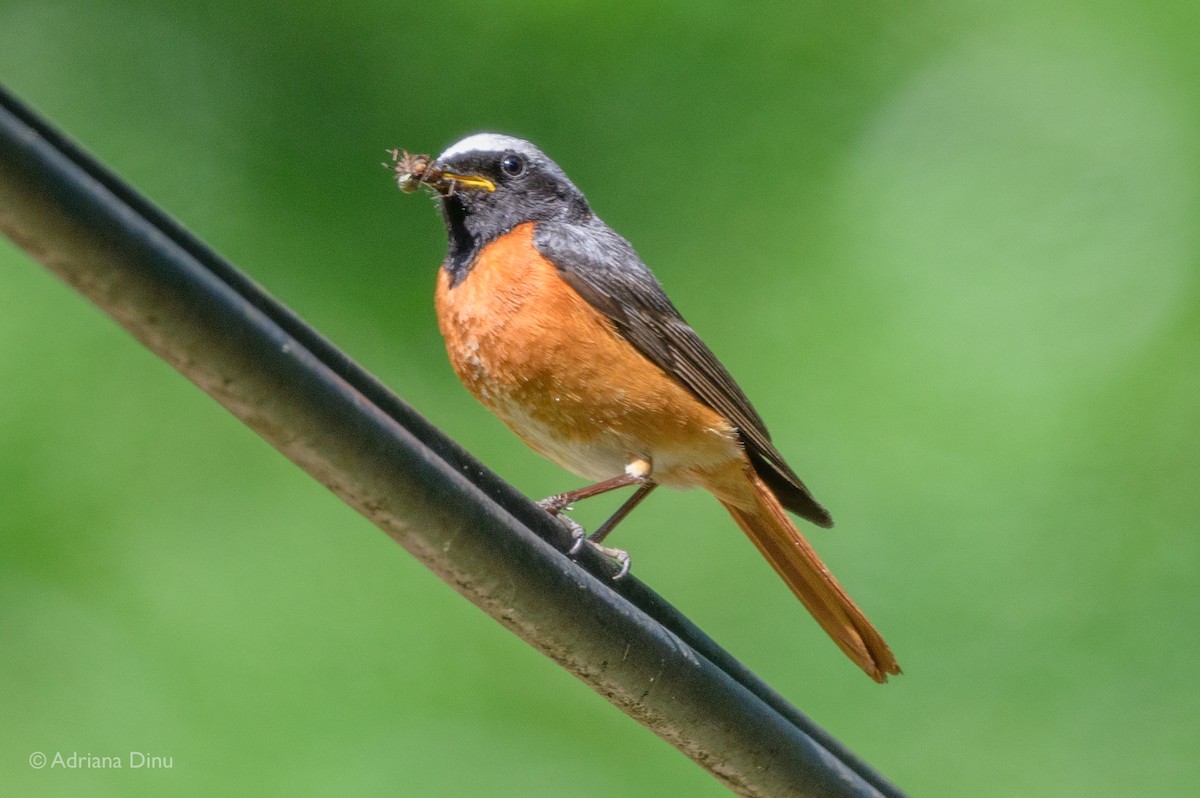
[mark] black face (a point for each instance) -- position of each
(529, 187)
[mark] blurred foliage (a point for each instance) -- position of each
(950, 250)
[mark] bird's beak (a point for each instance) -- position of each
(451, 182)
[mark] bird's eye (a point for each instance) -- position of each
(513, 164)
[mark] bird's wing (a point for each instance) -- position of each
(606, 271)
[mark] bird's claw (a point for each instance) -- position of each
(620, 556)
(578, 534)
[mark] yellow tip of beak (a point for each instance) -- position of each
(470, 181)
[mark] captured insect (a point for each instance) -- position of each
(414, 170)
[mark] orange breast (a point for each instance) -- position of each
(554, 369)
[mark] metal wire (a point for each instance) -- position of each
(316, 406)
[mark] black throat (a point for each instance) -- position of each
(464, 243)
(475, 222)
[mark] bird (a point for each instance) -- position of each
(555, 324)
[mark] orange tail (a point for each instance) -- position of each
(769, 527)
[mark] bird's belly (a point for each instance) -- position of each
(554, 369)
(594, 456)
(597, 440)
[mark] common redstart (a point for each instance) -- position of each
(554, 323)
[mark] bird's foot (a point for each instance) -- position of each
(619, 556)
(579, 536)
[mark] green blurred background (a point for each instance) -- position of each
(948, 248)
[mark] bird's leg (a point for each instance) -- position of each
(621, 556)
(557, 503)
(561, 501)
(625, 509)
(637, 473)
